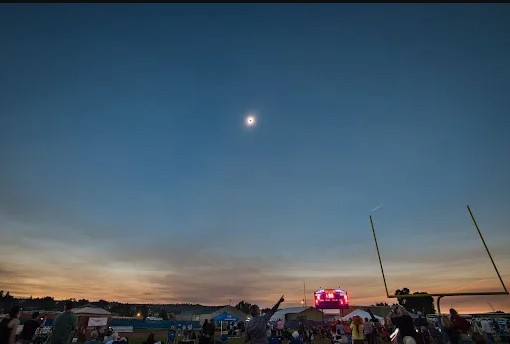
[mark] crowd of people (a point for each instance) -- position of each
(63, 326)
(398, 327)
(354, 331)
(451, 329)
(62, 330)
(479, 331)
(492, 330)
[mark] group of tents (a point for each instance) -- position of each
(311, 323)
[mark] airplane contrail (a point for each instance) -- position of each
(380, 205)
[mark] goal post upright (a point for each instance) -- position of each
(487, 249)
(441, 295)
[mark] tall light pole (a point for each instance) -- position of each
(304, 293)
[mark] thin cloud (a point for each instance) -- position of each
(155, 270)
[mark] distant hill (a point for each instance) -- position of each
(186, 307)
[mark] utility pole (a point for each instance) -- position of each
(304, 293)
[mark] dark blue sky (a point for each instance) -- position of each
(121, 128)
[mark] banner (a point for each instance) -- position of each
(97, 322)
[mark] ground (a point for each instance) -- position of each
(139, 337)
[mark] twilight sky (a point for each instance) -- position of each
(126, 172)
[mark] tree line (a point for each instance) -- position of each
(423, 304)
(165, 311)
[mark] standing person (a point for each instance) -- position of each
(488, 331)
(449, 334)
(422, 325)
(460, 325)
(347, 327)
(378, 332)
(205, 337)
(478, 335)
(100, 334)
(29, 328)
(357, 330)
(340, 328)
(296, 339)
(404, 323)
(421, 321)
(93, 338)
(368, 331)
(205, 327)
(301, 328)
(150, 339)
(63, 325)
(275, 338)
(280, 325)
(256, 328)
(212, 329)
(114, 339)
(9, 326)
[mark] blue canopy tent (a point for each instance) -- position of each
(224, 317)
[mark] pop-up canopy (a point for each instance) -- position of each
(225, 317)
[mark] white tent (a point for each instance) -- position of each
(363, 314)
(281, 313)
(90, 310)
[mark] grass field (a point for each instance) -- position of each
(139, 337)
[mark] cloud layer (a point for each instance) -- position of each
(156, 271)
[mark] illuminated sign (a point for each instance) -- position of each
(331, 299)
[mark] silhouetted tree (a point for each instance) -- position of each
(122, 309)
(423, 304)
(102, 304)
(163, 314)
(82, 302)
(47, 303)
(8, 301)
(244, 306)
(379, 304)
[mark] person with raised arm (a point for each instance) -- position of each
(257, 326)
